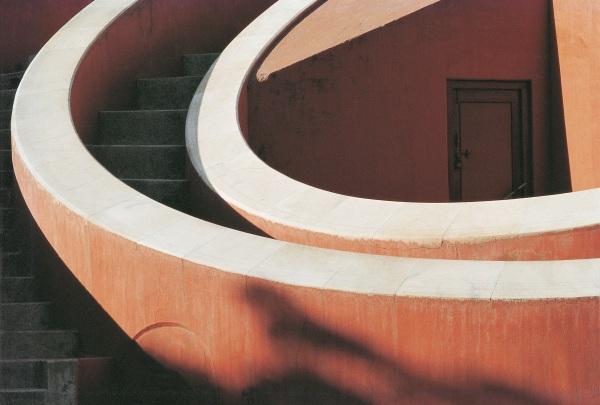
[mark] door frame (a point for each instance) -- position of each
(521, 133)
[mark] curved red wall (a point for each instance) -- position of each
(148, 40)
(309, 120)
(27, 25)
(578, 43)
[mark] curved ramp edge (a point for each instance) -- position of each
(557, 227)
(249, 303)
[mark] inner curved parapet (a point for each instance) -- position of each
(267, 319)
(555, 227)
(456, 101)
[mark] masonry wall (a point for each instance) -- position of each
(39, 19)
(368, 117)
(148, 41)
(578, 42)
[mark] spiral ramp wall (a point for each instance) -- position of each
(264, 320)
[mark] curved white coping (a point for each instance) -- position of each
(55, 162)
(231, 169)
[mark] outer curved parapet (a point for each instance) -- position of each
(550, 228)
(265, 320)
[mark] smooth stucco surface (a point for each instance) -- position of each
(543, 228)
(230, 308)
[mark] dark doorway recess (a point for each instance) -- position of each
(489, 138)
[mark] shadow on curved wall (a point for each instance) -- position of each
(287, 330)
(368, 118)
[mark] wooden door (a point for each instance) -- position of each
(488, 140)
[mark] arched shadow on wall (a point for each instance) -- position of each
(287, 325)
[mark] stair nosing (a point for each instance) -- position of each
(49, 331)
(16, 390)
(17, 277)
(155, 179)
(150, 110)
(169, 78)
(137, 146)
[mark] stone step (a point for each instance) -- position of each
(5, 139)
(7, 198)
(51, 344)
(142, 161)
(5, 116)
(7, 98)
(6, 179)
(10, 241)
(198, 64)
(25, 316)
(142, 398)
(58, 381)
(17, 289)
(172, 193)
(146, 127)
(6, 160)
(23, 396)
(10, 80)
(20, 374)
(7, 217)
(15, 264)
(167, 93)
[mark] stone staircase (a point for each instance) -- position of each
(145, 147)
(40, 362)
(37, 360)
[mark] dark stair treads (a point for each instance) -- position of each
(146, 127)
(19, 374)
(17, 289)
(6, 160)
(147, 397)
(23, 397)
(6, 178)
(10, 81)
(14, 264)
(7, 217)
(167, 93)
(52, 344)
(24, 316)
(6, 197)
(142, 161)
(198, 64)
(173, 193)
(7, 98)
(10, 241)
(5, 119)
(5, 139)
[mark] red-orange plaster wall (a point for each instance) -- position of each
(578, 42)
(25, 26)
(336, 21)
(148, 41)
(263, 342)
(368, 117)
(256, 341)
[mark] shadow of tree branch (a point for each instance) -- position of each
(287, 325)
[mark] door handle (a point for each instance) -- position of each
(512, 193)
(458, 158)
(457, 161)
